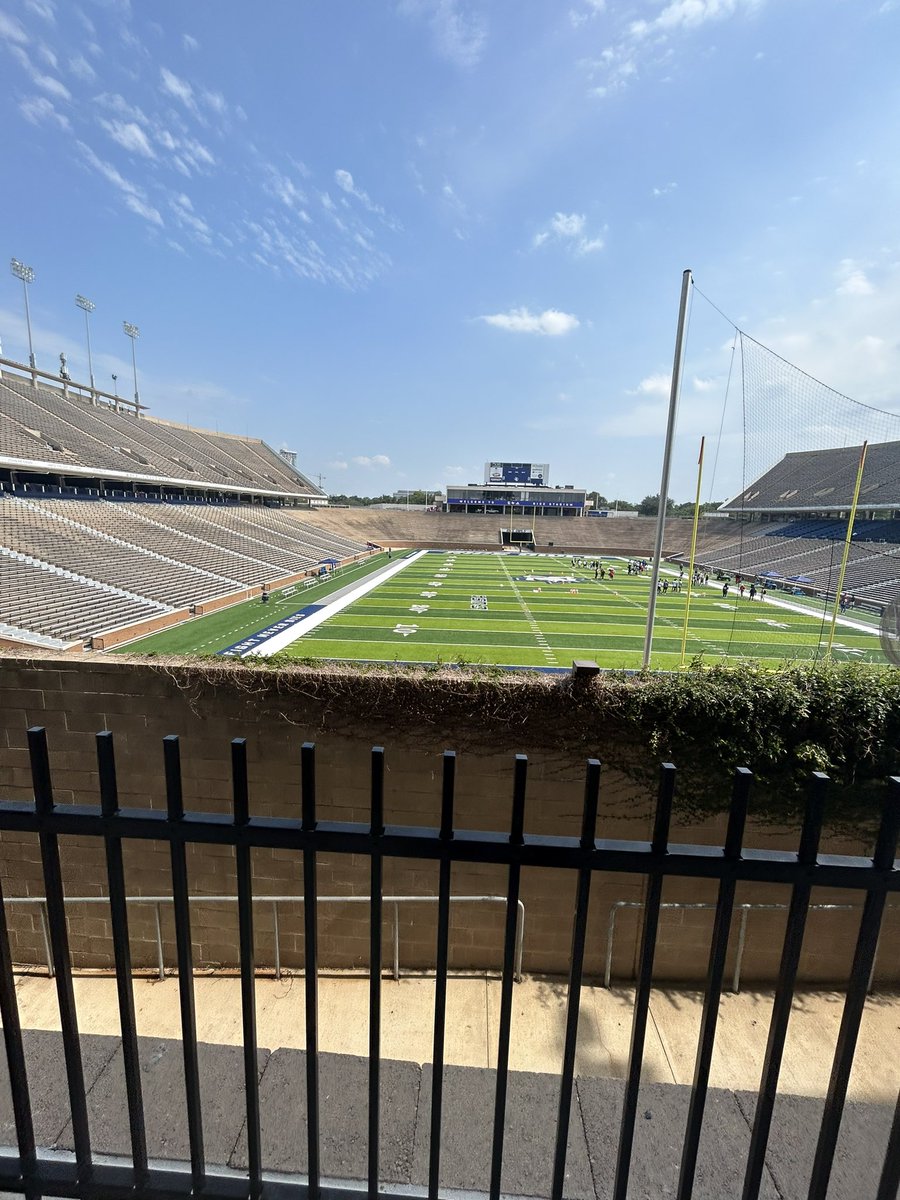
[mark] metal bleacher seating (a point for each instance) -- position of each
(41, 424)
(73, 567)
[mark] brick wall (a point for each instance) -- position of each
(141, 703)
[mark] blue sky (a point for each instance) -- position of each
(404, 238)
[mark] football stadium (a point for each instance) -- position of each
(121, 531)
(449, 734)
(155, 577)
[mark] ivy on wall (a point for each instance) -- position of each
(843, 719)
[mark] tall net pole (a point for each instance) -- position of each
(839, 590)
(667, 463)
(687, 603)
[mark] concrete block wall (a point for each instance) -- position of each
(140, 702)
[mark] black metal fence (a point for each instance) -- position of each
(35, 1172)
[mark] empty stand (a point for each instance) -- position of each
(39, 424)
(73, 568)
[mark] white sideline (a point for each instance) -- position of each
(278, 641)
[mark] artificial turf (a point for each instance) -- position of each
(424, 614)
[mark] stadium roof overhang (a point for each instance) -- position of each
(84, 472)
(738, 510)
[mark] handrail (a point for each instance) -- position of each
(395, 901)
(742, 931)
(65, 385)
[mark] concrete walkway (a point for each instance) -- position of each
(539, 1008)
(406, 1083)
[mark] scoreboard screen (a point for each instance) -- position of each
(535, 474)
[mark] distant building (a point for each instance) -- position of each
(516, 500)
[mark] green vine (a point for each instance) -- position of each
(842, 719)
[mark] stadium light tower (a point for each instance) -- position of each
(26, 274)
(87, 307)
(134, 333)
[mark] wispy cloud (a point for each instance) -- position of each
(189, 43)
(642, 39)
(82, 69)
(551, 322)
(11, 30)
(665, 190)
(457, 34)
(373, 460)
(47, 83)
(186, 217)
(134, 197)
(130, 137)
(178, 89)
(853, 280)
(570, 230)
(38, 109)
(346, 183)
(43, 9)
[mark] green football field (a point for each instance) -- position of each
(431, 611)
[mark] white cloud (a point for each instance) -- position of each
(854, 281)
(665, 190)
(216, 102)
(619, 63)
(142, 209)
(591, 8)
(655, 385)
(283, 188)
(38, 108)
(43, 9)
(190, 43)
(135, 197)
(700, 385)
(11, 30)
(82, 69)
(49, 57)
(551, 322)
(346, 183)
(459, 36)
(569, 229)
(338, 465)
(130, 137)
(374, 460)
(52, 86)
(179, 89)
(188, 219)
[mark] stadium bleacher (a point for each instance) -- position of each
(805, 498)
(42, 427)
(160, 557)
(108, 519)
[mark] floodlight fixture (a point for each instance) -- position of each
(87, 307)
(134, 333)
(26, 274)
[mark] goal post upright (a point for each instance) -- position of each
(851, 521)
(667, 463)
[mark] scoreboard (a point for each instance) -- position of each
(535, 474)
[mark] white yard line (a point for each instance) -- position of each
(278, 641)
